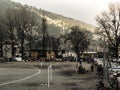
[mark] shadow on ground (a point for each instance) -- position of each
(66, 73)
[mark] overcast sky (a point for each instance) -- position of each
(84, 10)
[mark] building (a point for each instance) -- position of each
(47, 53)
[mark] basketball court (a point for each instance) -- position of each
(37, 76)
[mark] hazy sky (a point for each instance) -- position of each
(84, 10)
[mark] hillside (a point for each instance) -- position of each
(57, 24)
(69, 21)
(6, 4)
(64, 22)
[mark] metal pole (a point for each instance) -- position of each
(76, 65)
(41, 64)
(51, 72)
(48, 78)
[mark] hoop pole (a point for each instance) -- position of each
(49, 74)
(48, 78)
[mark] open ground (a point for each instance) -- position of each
(33, 76)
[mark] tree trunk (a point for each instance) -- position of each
(1, 48)
(116, 52)
(44, 45)
(30, 45)
(22, 44)
(12, 48)
(12, 44)
(22, 48)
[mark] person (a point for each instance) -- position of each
(92, 68)
(79, 60)
(100, 69)
(101, 85)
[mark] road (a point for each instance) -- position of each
(31, 76)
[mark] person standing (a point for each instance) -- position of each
(92, 68)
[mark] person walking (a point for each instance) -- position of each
(92, 68)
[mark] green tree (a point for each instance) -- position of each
(44, 32)
(53, 42)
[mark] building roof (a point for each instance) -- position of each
(41, 48)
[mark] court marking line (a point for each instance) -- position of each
(19, 80)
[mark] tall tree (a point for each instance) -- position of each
(45, 33)
(53, 42)
(109, 26)
(10, 23)
(32, 38)
(3, 36)
(79, 38)
(25, 22)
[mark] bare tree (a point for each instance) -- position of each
(3, 36)
(32, 37)
(79, 38)
(10, 23)
(25, 22)
(109, 26)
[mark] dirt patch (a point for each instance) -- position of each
(61, 66)
(67, 73)
(41, 67)
(70, 84)
(31, 84)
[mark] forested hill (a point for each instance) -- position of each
(57, 24)
(6, 4)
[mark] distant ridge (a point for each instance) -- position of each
(57, 24)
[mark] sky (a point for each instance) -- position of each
(83, 10)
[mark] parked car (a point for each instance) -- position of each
(114, 71)
(58, 59)
(17, 58)
(116, 60)
(98, 61)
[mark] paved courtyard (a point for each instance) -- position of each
(31, 76)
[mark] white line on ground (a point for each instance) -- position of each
(19, 80)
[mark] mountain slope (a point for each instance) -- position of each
(57, 24)
(64, 22)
